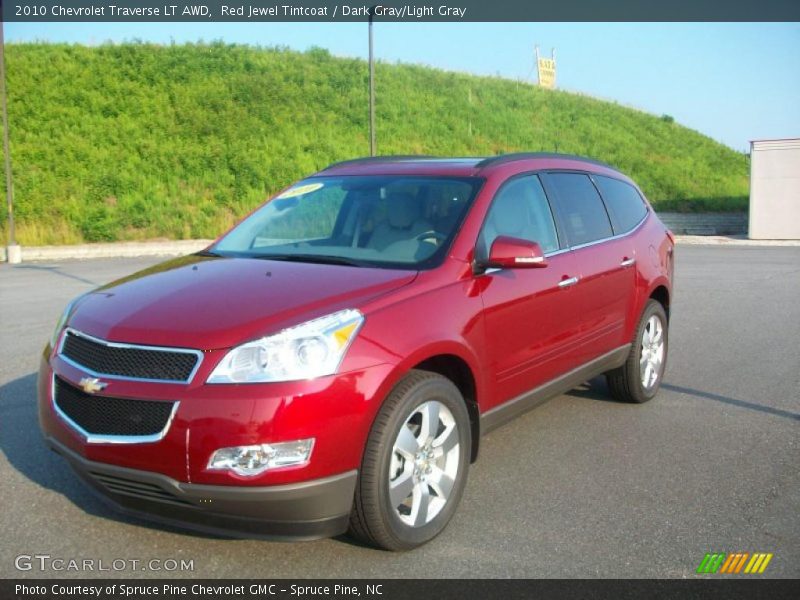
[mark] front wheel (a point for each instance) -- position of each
(639, 378)
(415, 464)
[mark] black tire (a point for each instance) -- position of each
(373, 519)
(625, 383)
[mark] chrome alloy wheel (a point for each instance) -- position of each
(424, 464)
(652, 356)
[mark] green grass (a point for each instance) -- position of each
(138, 141)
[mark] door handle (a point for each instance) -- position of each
(627, 262)
(564, 283)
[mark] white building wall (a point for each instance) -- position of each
(775, 189)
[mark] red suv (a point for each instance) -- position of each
(331, 362)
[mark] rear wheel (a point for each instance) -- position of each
(415, 464)
(639, 378)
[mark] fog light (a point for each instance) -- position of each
(252, 460)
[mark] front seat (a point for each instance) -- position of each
(404, 222)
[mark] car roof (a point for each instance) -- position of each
(462, 166)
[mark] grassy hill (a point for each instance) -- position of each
(139, 141)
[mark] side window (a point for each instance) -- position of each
(520, 209)
(580, 206)
(625, 205)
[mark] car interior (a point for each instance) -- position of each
(402, 222)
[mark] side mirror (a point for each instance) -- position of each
(514, 253)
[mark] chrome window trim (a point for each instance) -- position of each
(613, 237)
(557, 252)
(96, 438)
(580, 246)
(70, 330)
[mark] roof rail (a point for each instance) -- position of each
(370, 159)
(504, 158)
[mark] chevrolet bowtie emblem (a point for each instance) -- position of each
(91, 385)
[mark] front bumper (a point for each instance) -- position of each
(168, 480)
(336, 411)
(308, 510)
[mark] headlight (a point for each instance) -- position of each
(62, 320)
(313, 349)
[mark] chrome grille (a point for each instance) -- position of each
(129, 361)
(106, 417)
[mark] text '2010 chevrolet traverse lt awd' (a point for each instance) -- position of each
(331, 362)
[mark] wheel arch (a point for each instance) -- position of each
(458, 371)
(455, 362)
(661, 295)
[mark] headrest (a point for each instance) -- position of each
(403, 210)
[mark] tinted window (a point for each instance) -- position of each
(625, 205)
(585, 217)
(520, 209)
(386, 221)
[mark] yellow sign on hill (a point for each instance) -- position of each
(547, 70)
(547, 73)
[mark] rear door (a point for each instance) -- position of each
(603, 262)
(529, 313)
(627, 210)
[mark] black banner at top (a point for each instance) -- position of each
(400, 11)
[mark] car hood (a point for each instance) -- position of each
(210, 302)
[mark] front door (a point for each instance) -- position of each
(530, 314)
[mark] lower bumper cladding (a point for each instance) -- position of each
(300, 511)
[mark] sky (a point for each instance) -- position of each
(734, 82)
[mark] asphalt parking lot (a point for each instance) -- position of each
(580, 487)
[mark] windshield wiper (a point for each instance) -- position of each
(207, 253)
(322, 259)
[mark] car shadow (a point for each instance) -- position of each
(597, 389)
(24, 448)
(56, 270)
(779, 412)
(594, 389)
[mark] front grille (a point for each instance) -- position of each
(136, 489)
(101, 415)
(135, 362)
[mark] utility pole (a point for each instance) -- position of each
(372, 144)
(13, 253)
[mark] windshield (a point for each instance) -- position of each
(386, 221)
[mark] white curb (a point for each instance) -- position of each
(110, 250)
(177, 248)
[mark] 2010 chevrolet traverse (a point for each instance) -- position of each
(331, 362)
